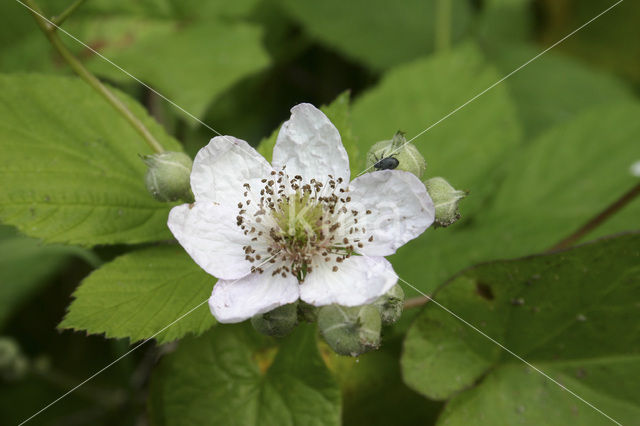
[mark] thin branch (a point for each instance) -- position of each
(443, 25)
(103, 397)
(592, 224)
(597, 220)
(49, 29)
(57, 20)
(415, 302)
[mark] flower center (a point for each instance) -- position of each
(299, 219)
(294, 225)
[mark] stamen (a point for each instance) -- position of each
(300, 222)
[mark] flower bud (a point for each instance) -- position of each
(396, 154)
(445, 198)
(350, 330)
(390, 305)
(13, 365)
(168, 174)
(278, 322)
(307, 312)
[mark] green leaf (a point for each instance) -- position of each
(570, 314)
(190, 51)
(338, 112)
(190, 64)
(230, 376)
(70, 164)
(468, 147)
(553, 88)
(377, 33)
(171, 9)
(265, 147)
(502, 20)
(140, 293)
(608, 42)
(553, 186)
(570, 173)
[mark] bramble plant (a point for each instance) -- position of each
(437, 226)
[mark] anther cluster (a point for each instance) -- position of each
(298, 225)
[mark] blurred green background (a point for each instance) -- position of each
(541, 153)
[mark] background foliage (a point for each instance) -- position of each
(88, 268)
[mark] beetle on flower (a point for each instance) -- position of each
(295, 229)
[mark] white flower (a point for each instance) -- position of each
(297, 228)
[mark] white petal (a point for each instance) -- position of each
(222, 167)
(310, 146)
(208, 232)
(358, 280)
(400, 206)
(237, 300)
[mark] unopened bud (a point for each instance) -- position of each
(278, 322)
(390, 305)
(307, 312)
(445, 198)
(168, 176)
(396, 154)
(350, 330)
(13, 365)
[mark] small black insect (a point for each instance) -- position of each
(385, 163)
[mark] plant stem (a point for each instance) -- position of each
(592, 224)
(597, 220)
(415, 302)
(88, 256)
(443, 25)
(103, 397)
(49, 29)
(59, 19)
